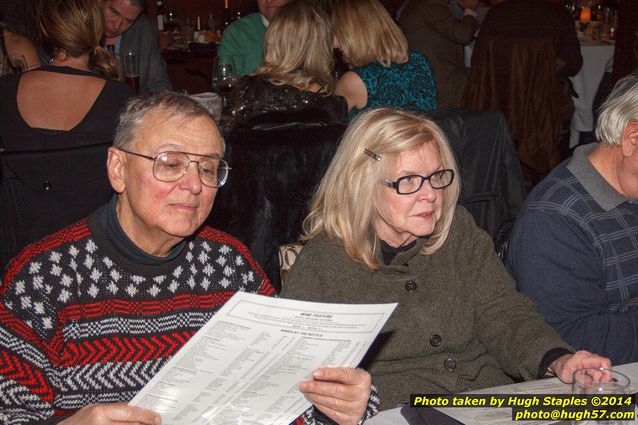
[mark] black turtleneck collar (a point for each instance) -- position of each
(111, 226)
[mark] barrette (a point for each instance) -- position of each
(371, 154)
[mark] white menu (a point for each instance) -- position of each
(245, 364)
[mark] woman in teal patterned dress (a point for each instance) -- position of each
(383, 73)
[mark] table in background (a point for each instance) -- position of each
(503, 416)
(597, 59)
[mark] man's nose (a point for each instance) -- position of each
(191, 179)
(117, 24)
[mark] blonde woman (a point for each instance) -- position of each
(68, 104)
(296, 75)
(383, 72)
(384, 227)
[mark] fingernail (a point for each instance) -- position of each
(157, 420)
(318, 373)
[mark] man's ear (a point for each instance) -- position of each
(116, 169)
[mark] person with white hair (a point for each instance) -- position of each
(574, 248)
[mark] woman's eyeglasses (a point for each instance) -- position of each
(410, 184)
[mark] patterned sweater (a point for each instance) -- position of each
(82, 324)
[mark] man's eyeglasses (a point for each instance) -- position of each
(409, 184)
(172, 166)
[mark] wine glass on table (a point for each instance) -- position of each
(223, 79)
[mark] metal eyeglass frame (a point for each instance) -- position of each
(222, 164)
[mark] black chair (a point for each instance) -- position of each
(492, 186)
(43, 191)
(276, 167)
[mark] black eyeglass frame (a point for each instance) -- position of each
(395, 184)
(154, 159)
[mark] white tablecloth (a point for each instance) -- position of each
(596, 60)
(493, 416)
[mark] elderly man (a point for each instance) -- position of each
(126, 29)
(92, 312)
(574, 248)
(243, 41)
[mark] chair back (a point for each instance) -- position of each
(492, 186)
(275, 170)
(518, 76)
(43, 191)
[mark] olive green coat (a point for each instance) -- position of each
(459, 325)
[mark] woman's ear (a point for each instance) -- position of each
(116, 169)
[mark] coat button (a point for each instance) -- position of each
(435, 340)
(46, 185)
(449, 364)
(410, 286)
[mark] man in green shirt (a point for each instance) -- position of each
(243, 40)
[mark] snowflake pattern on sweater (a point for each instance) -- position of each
(82, 324)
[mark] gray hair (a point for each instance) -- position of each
(619, 109)
(169, 104)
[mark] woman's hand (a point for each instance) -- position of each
(565, 366)
(340, 393)
(112, 413)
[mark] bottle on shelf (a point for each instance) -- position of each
(211, 23)
(160, 15)
(198, 24)
(188, 32)
(227, 15)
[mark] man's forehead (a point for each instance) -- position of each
(125, 8)
(159, 129)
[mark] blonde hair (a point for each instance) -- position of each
(76, 27)
(344, 205)
(298, 48)
(367, 33)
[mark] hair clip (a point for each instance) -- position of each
(371, 154)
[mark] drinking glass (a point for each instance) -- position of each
(223, 79)
(131, 72)
(599, 381)
(18, 63)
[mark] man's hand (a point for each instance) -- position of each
(113, 413)
(340, 393)
(565, 366)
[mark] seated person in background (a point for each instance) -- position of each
(573, 249)
(243, 41)
(18, 31)
(539, 19)
(126, 29)
(70, 106)
(296, 75)
(383, 72)
(432, 29)
(138, 259)
(395, 233)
